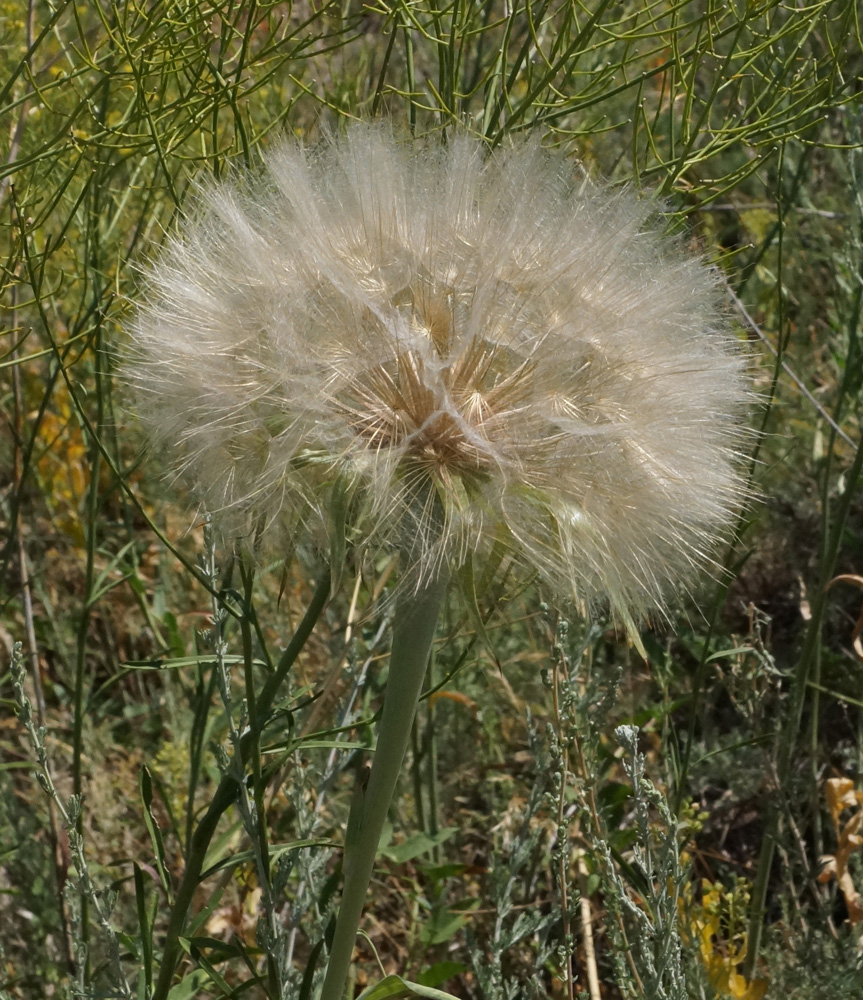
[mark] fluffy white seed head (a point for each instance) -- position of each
(436, 349)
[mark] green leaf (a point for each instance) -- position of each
(309, 974)
(146, 785)
(218, 846)
(419, 843)
(218, 950)
(438, 873)
(312, 745)
(729, 652)
(144, 928)
(202, 916)
(214, 976)
(189, 986)
(275, 851)
(440, 972)
(103, 583)
(161, 663)
(445, 922)
(468, 587)
(396, 987)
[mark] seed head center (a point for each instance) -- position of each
(438, 401)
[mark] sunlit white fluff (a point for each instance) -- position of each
(440, 348)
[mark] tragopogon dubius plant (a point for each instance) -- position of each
(387, 344)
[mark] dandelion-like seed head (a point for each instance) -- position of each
(441, 350)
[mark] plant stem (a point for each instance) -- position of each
(791, 727)
(226, 793)
(413, 634)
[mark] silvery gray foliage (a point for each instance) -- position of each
(513, 925)
(658, 946)
(80, 883)
(647, 955)
(309, 871)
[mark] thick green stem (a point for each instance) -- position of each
(413, 633)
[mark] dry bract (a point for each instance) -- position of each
(439, 345)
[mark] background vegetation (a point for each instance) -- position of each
(588, 822)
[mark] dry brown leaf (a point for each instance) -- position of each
(456, 696)
(852, 897)
(828, 867)
(841, 795)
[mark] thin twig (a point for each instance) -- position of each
(587, 935)
(756, 329)
(59, 840)
(727, 206)
(562, 872)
